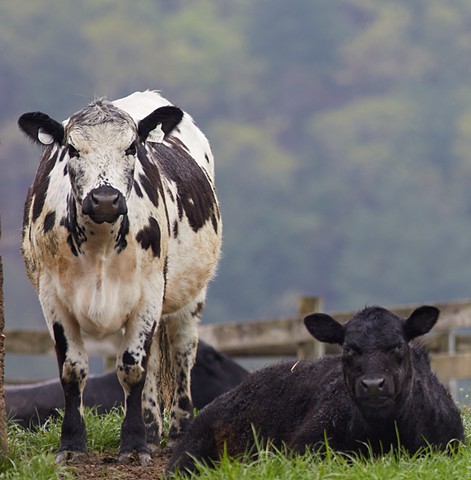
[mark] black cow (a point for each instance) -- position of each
(380, 388)
(212, 375)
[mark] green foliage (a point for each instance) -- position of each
(341, 132)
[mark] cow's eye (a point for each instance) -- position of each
(350, 354)
(131, 150)
(397, 352)
(73, 152)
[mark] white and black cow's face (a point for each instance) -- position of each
(101, 142)
(101, 163)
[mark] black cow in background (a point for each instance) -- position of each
(213, 374)
(380, 388)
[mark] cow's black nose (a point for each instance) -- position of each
(104, 204)
(373, 386)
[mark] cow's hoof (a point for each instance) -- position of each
(143, 458)
(68, 456)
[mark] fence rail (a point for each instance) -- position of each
(449, 342)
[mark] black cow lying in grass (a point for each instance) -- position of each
(379, 393)
(212, 375)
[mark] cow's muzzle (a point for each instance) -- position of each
(374, 390)
(104, 204)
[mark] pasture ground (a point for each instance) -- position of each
(31, 456)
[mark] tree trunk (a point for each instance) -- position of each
(3, 418)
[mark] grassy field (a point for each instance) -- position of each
(31, 456)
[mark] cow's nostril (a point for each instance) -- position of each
(373, 386)
(94, 200)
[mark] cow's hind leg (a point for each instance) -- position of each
(131, 369)
(182, 342)
(73, 368)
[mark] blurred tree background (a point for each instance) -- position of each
(341, 131)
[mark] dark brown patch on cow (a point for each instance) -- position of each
(41, 182)
(76, 232)
(195, 195)
(177, 143)
(149, 237)
(137, 189)
(121, 242)
(170, 194)
(150, 181)
(175, 229)
(165, 272)
(26, 210)
(49, 221)
(63, 154)
(128, 359)
(60, 344)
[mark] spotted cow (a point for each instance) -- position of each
(122, 230)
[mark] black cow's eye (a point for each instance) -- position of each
(73, 152)
(131, 150)
(397, 352)
(350, 354)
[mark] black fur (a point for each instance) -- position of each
(49, 221)
(195, 196)
(76, 236)
(169, 117)
(149, 237)
(31, 122)
(302, 403)
(41, 182)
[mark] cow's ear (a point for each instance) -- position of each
(159, 123)
(324, 328)
(41, 128)
(421, 321)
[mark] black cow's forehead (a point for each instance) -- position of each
(374, 326)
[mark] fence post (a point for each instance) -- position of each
(3, 417)
(311, 349)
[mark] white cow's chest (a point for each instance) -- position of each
(100, 291)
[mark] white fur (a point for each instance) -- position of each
(102, 290)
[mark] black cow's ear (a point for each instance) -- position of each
(41, 128)
(324, 328)
(421, 321)
(159, 123)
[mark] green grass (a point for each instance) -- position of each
(31, 456)
(281, 465)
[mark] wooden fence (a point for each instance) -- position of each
(449, 342)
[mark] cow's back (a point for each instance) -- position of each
(274, 402)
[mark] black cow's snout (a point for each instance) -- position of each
(104, 204)
(373, 387)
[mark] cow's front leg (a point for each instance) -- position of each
(73, 368)
(132, 368)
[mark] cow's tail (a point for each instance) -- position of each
(166, 377)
